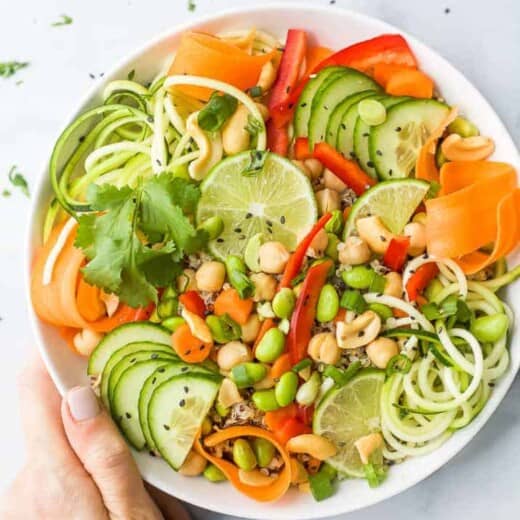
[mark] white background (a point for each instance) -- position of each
(479, 37)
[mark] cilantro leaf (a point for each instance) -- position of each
(64, 20)
(191, 5)
(18, 180)
(10, 68)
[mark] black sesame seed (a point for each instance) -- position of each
(447, 10)
(154, 355)
(182, 403)
(390, 172)
(128, 416)
(91, 75)
(237, 230)
(249, 215)
(242, 237)
(133, 360)
(269, 230)
(269, 223)
(382, 238)
(166, 427)
(352, 154)
(151, 453)
(370, 164)
(159, 163)
(343, 126)
(154, 380)
(398, 128)
(361, 333)
(303, 105)
(366, 134)
(161, 370)
(426, 256)
(186, 389)
(282, 219)
(291, 105)
(325, 107)
(288, 89)
(185, 369)
(150, 119)
(220, 240)
(202, 347)
(187, 353)
(379, 152)
(81, 139)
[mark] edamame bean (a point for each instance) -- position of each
(213, 226)
(213, 474)
(243, 455)
(433, 289)
(248, 374)
(490, 328)
(359, 277)
(382, 310)
(285, 390)
(463, 127)
(283, 303)
(264, 451)
(173, 323)
(167, 307)
(271, 346)
(328, 304)
(308, 392)
(332, 246)
(335, 224)
(221, 409)
(265, 400)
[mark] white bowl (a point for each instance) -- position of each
(336, 28)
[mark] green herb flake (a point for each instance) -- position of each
(217, 111)
(6, 193)
(131, 75)
(256, 164)
(191, 6)
(18, 180)
(64, 20)
(10, 68)
(254, 126)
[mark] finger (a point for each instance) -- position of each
(105, 455)
(40, 408)
(170, 507)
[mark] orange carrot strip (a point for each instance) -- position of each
(90, 305)
(229, 301)
(426, 167)
(188, 347)
(280, 366)
(273, 491)
(204, 55)
(315, 55)
(410, 82)
(384, 71)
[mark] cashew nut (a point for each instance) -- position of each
(315, 445)
(416, 231)
(394, 285)
(198, 326)
(267, 76)
(354, 251)
(328, 200)
(228, 394)
(235, 137)
(332, 181)
(303, 167)
(323, 348)
(318, 245)
(210, 148)
(374, 233)
(86, 340)
(367, 444)
(193, 465)
(476, 148)
(358, 332)
(255, 478)
(232, 354)
(273, 257)
(314, 167)
(299, 474)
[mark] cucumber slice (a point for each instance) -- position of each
(330, 95)
(303, 109)
(345, 136)
(394, 145)
(158, 377)
(123, 335)
(125, 401)
(131, 359)
(132, 348)
(334, 123)
(362, 133)
(176, 411)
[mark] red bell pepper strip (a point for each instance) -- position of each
(289, 429)
(301, 149)
(348, 171)
(295, 262)
(277, 139)
(304, 313)
(123, 314)
(287, 422)
(363, 56)
(305, 414)
(420, 279)
(193, 302)
(396, 254)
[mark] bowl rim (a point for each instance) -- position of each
(42, 181)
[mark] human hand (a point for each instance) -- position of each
(78, 465)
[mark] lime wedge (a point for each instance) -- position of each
(393, 201)
(345, 414)
(277, 201)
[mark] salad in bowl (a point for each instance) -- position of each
(283, 262)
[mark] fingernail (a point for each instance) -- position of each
(83, 403)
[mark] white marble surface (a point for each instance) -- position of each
(481, 38)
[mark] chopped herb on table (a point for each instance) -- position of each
(65, 20)
(10, 68)
(191, 5)
(18, 181)
(6, 193)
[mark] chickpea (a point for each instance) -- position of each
(417, 233)
(303, 167)
(187, 281)
(265, 286)
(314, 166)
(323, 348)
(193, 465)
(86, 341)
(250, 329)
(210, 276)
(328, 200)
(232, 354)
(319, 244)
(332, 181)
(354, 251)
(394, 285)
(267, 77)
(235, 137)
(273, 257)
(374, 233)
(381, 350)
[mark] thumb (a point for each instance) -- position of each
(105, 456)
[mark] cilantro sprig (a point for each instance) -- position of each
(10, 68)
(138, 237)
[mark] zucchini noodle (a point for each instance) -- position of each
(50, 263)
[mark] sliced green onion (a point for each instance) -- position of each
(321, 486)
(335, 224)
(236, 271)
(303, 364)
(378, 283)
(342, 377)
(218, 110)
(223, 328)
(449, 306)
(431, 311)
(256, 91)
(372, 112)
(399, 364)
(353, 301)
(374, 475)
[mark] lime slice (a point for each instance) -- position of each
(345, 414)
(277, 201)
(393, 201)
